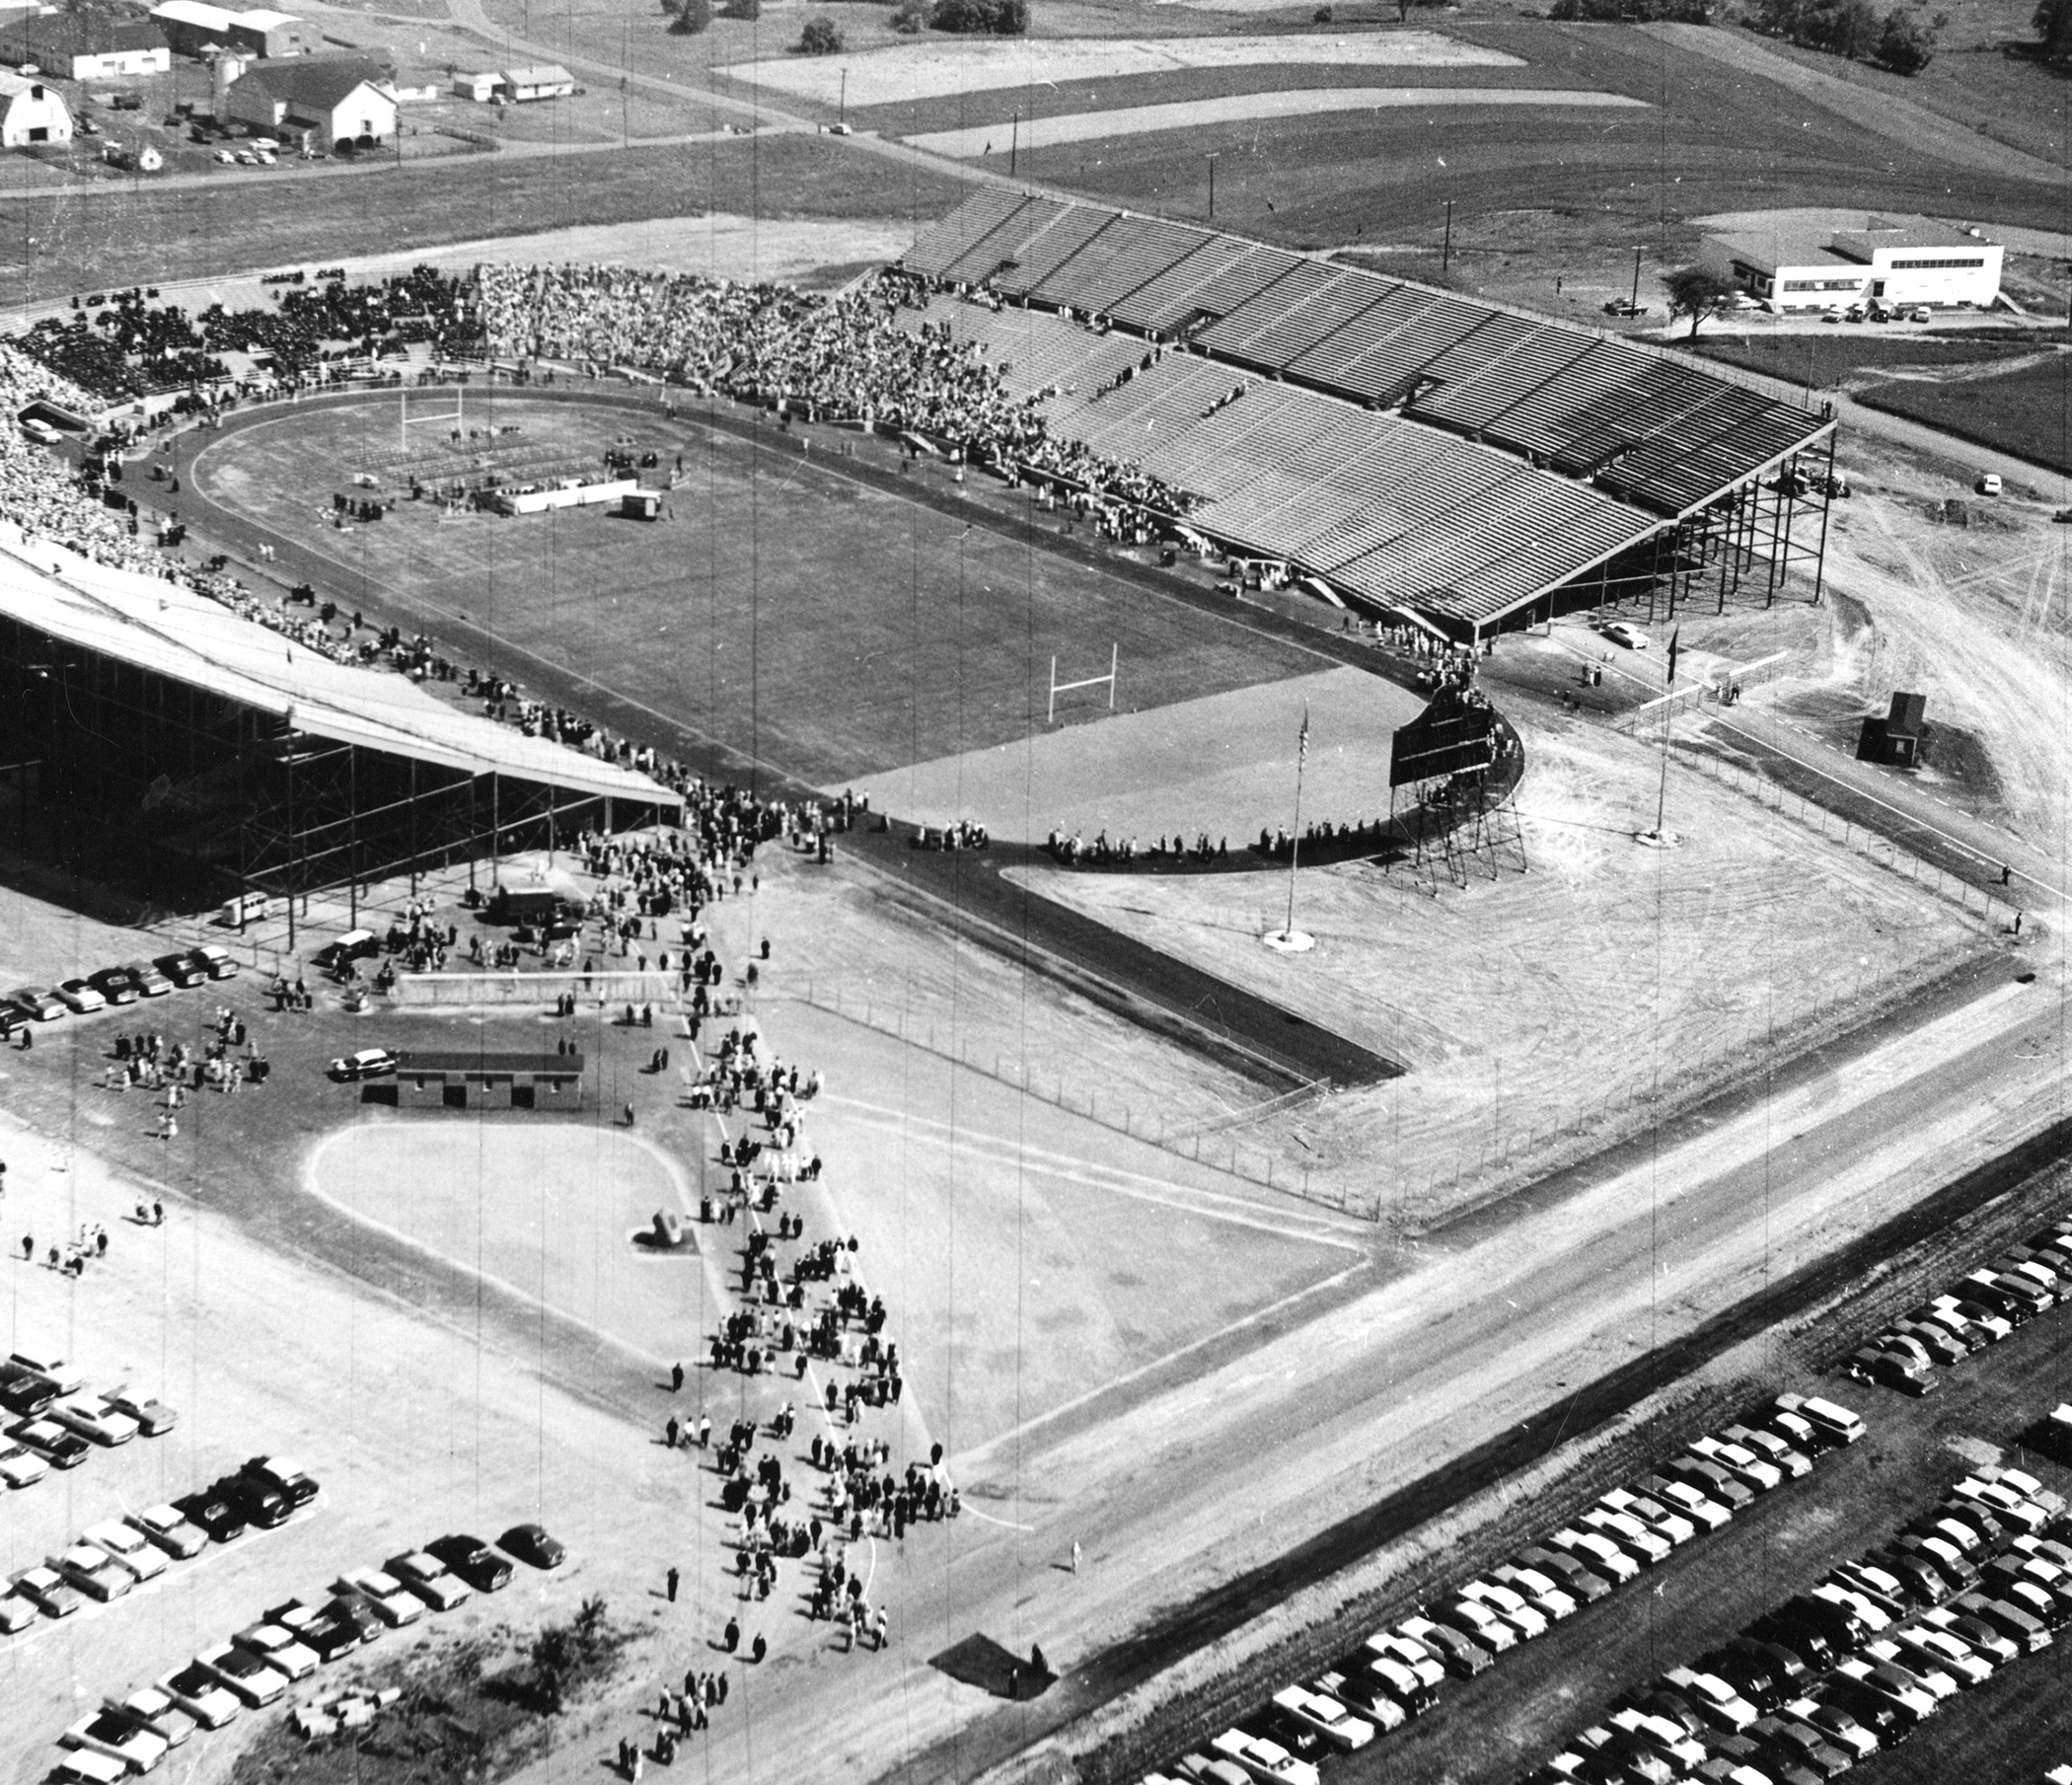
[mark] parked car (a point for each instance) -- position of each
(1538, 1590)
(1266, 1762)
(25, 1395)
(200, 1694)
(365, 1063)
(147, 979)
(474, 1561)
(1834, 1422)
(49, 1590)
(129, 1546)
(1672, 1527)
(92, 1570)
(41, 1004)
(1790, 1461)
(263, 1506)
(1715, 1699)
(157, 1712)
(21, 1466)
(430, 1579)
(531, 1543)
(1457, 1654)
(1682, 1498)
(284, 1476)
(163, 1525)
(61, 1449)
(222, 1515)
(254, 1681)
(135, 1748)
(1326, 1717)
(181, 968)
(326, 1631)
(1367, 1695)
(1599, 1551)
(17, 1612)
(103, 1425)
(281, 1649)
(114, 985)
(152, 1417)
(384, 1594)
(214, 961)
(79, 995)
(1629, 636)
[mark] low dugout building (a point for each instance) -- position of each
(151, 737)
(1469, 466)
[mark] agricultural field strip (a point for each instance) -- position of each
(934, 70)
(1238, 107)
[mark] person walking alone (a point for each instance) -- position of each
(671, 1577)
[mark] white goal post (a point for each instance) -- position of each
(454, 417)
(1058, 687)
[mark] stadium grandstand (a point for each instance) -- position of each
(1470, 467)
(145, 725)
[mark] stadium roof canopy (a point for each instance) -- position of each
(168, 630)
(1491, 456)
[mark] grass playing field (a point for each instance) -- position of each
(827, 627)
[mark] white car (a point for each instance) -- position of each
(1538, 1591)
(1326, 1716)
(1938, 1649)
(170, 1531)
(129, 1546)
(277, 1648)
(1938, 1683)
(21, 1466)
(83, 1766)
(1630, 636)
(1788, 1457)
(243, 1672)
(226, 158)
(1658, 1732)
(2003, 1502)
(154, 1709)
(113, 1735)
(1739, 1463)
(1837, 1727)
(1596, 1551)
(199, 1692)
(79, 996)
(430, 1579)
(1267, 1761)
(1630, 1534)
(386, 1595)
(1873, 1618)
(38, 429)
(1478, 1621)
(1713, 1697)
(103, 1425)
(1701, 1509)
(1509, 1605)
(1663, 1521)
(1896, 1685)
(1428, 1670)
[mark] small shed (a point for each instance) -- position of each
(460, 1079)
(480, 88)
(1901, 738)
(641, 505)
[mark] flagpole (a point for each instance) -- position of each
(1668, 719)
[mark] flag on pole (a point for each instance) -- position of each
(1673, 636)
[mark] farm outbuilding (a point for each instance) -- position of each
(194, 28)
(85, 48)
(328, 100)
(480, 88)
(31, 112)
(1896, 262)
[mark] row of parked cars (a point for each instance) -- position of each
(117, 1554)
(1857, 1661)
(58, 1425)
(1397, 1674)
(120, 985)
(1985, 1308)
(133, 1733)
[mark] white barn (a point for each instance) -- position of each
(32, 112)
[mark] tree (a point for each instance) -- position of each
(910, 16)
(1905, 46)
(1698, 293)
(2054, 23)
(692, 17)
(820, 37)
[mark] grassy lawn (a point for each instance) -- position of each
(1819, 361)
(2022, 413)
(832, 629)
(1707, 143)
(53, 243)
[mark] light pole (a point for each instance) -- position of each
(1015, 146)
(1211, 159)
(1445, 252)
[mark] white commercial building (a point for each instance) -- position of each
(548, 80)
(1897, 263)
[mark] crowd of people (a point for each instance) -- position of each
(135, 345)
(852, 356)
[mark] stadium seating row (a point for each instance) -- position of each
(1663, 435)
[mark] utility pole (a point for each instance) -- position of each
(1445, 252)
(1211, 185)
(1635, 300)
(1015, 146)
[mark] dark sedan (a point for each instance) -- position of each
(474, 1561)
(531, 1543)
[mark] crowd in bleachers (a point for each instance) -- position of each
(845, 357)
(135, 345)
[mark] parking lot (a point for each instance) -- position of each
(1532, 1702)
